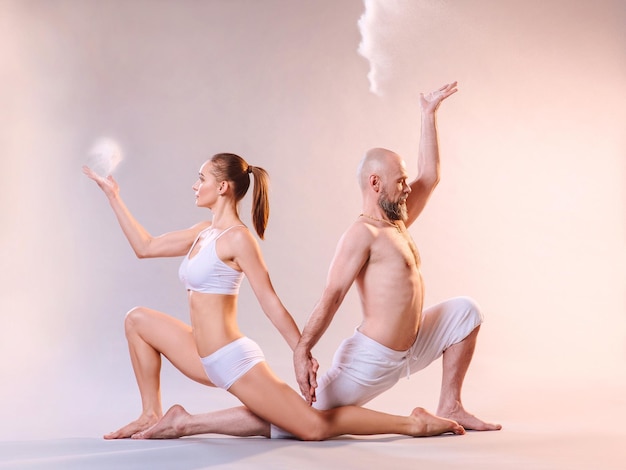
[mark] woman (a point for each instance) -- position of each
(217, 255)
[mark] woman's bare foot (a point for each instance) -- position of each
(430, 425)
(140, 424)
(170, 426)
(467, 420)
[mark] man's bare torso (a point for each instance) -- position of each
(391, 289)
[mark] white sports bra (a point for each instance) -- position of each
(206, 272)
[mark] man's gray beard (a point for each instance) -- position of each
(393, 210)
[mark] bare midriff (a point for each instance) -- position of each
(214, 321)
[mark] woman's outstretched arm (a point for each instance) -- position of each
(144, 245)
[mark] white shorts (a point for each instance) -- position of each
(362, 368)
(229, 363)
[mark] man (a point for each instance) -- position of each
(395, 338)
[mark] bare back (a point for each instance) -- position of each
(391, 288)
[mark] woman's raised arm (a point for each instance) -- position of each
(176, 243)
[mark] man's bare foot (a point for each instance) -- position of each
(430, 425)
(143, 422)
(467, 420)
(170, 426)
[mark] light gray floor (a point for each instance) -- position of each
(570, 427)
(515, 448)
(519, 446)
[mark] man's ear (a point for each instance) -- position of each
(375, 182)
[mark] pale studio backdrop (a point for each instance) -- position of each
(529, 218)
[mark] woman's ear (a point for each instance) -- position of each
(222, 188)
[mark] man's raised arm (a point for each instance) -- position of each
(428, 158)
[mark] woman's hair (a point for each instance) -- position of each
(233, 168)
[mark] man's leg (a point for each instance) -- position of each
(238, 421)
(456, 361)
(361, 370)
(450, 328)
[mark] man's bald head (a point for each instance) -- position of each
(377, 161)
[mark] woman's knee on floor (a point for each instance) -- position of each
(318, 428)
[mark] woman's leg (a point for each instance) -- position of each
(274, 401)
(151, 333)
